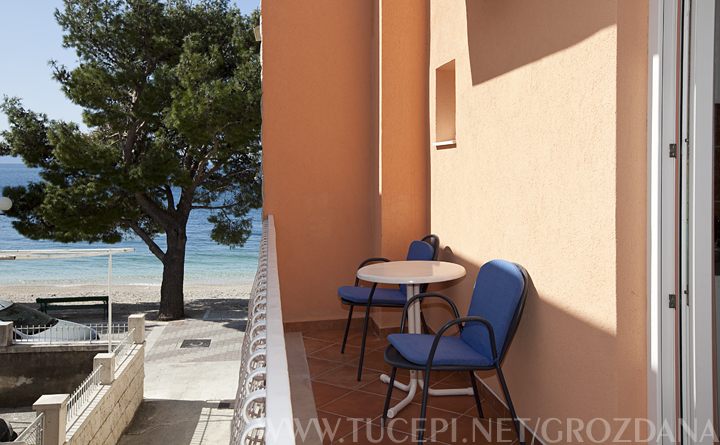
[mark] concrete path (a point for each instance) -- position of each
(189, 385)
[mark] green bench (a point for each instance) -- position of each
(55, 303)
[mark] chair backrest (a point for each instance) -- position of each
(434, 241)
(418, 251)
(499, 297)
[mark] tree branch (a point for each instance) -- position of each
(170, 197)
(135, 126)
(156, 212)
(154, 248)
(201, 171)
(227, 206)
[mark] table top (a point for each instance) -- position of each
(411, 272)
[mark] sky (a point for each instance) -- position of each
(29, 38)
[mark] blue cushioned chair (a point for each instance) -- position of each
(485, 334)
(357, 295)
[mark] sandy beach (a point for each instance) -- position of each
(124, 293)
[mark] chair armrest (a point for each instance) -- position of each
(462, 320)
(421, 297)
(368, 261)
(373, 260)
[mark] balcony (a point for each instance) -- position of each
(298, 385)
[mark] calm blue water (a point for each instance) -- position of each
(206, 262)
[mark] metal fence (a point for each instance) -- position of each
(263, 413)
(33, 434)
(83, 395)
(64, 332)
(123, 348)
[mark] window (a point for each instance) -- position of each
(445, 106)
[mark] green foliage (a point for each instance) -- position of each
(171, 98)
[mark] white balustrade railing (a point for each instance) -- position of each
(64, 332)
(263, 410)
(123, 348)
(33, 434)
(83, 395)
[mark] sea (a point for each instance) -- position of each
(207, 262)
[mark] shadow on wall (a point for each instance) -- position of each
(505, 35)
(558, 365)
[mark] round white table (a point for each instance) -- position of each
(413, 274)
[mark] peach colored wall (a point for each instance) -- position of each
(631, 215)
(401, 121)
(549, 171)
(317, 157)
(344, 141)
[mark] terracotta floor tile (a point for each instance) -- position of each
(333, 354)
(341, 399)
(312, 345)
(380, 388)
(466, 429)
(373, 360)
(318, 366)
(372, 342)
(373, 434)
(345, 376)
(407, 420)
(332, 427)
(357, 405)
(454, 404)
(457, 379)
(325, 393)
(381, 347)
(328, 335)
(457, 404)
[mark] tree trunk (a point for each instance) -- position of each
(172, 305)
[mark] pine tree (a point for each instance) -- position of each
(170, 92)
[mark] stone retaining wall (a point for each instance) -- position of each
(114, 407)
(29, 371)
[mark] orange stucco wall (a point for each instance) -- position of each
(344, 142)
(400, 116)
(631, 216)
(317, 161)
(549, 171)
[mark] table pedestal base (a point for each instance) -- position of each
(412, 387)
(415, 379)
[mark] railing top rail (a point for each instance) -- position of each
(122, 349)
(82, 396)
(33, 433)
(69, 333)
(278, 407)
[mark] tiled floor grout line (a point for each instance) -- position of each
(360, 389)
(320, 408)
(403, 433)
(337, 364)
(335, 368)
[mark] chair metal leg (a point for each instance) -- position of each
(476, 393)
(391, 385)
(423, 407)
(347, 329)
(506, 393)
(362, 345)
